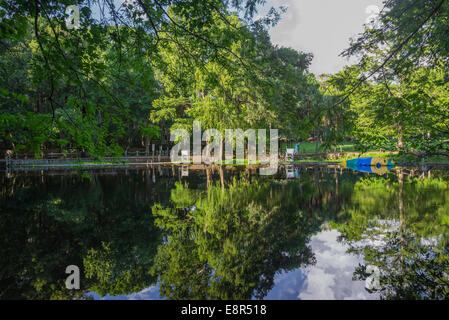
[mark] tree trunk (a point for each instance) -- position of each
(401, 215)
(400, 139)
(222, 178)
(147, 146)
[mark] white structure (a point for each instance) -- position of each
(290, 154)
(290, 171)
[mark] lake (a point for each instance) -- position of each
(171, 232)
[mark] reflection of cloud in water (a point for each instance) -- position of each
(329, 279)
(151, 293)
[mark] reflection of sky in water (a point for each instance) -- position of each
(329, 279)
(151, 293)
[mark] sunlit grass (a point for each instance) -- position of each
(311, 147)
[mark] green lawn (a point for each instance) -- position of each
(310, 147)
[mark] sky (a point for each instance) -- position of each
(321, 27)
(329, 279)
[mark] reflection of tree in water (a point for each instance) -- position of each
(225, 241)
(402, 227)
(228, 243)
(411, 271)
(100, 224)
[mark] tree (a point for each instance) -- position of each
(400, 226)
(404, 51)
(95, 84)
(228, 242)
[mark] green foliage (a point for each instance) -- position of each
(399, 89)
(98, 82)
(406, 236)
(228, 242)
(94, 223)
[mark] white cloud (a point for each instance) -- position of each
(331, 277)
(322, 27)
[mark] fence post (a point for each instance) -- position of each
(7, 160)
(8, 164)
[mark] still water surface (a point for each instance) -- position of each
(161, 233)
